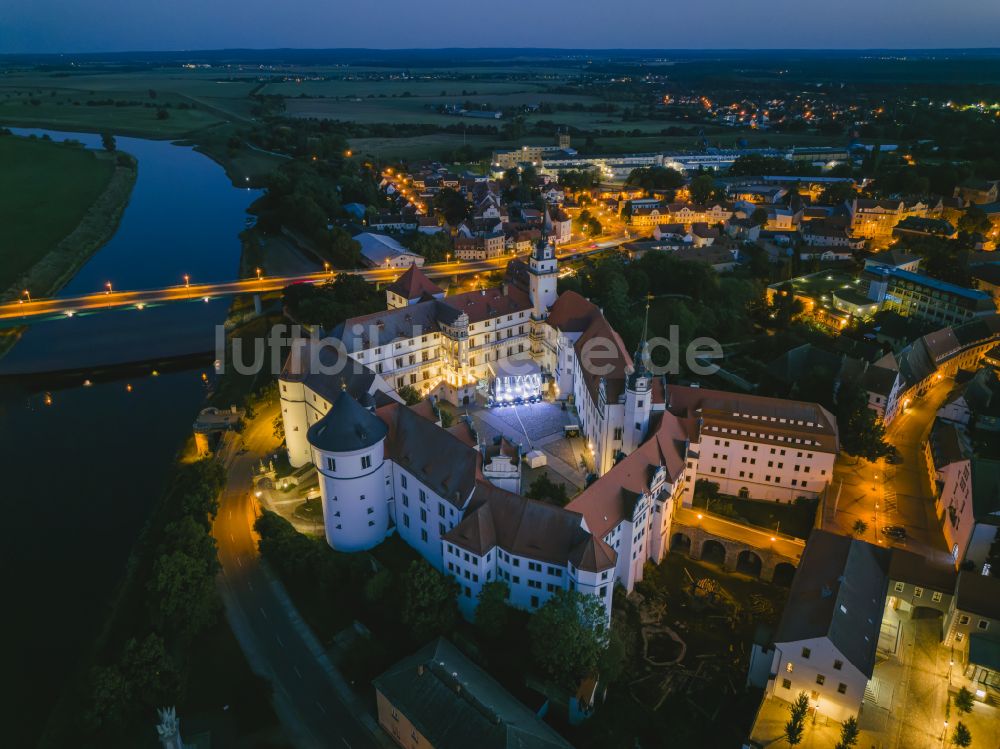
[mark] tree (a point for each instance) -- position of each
(848, 734)
(567, 636)
(796, 723)
(452, 205)
(183, 600)
(964, 701)
(410, 395)
(545, 489)
(492, 611)
(961, 736)
(705, 489)
(341, 248)
(759, 216)
(108, 142)
(860, 527)
(149, 672)
(837, 193)
(702, 188)
(974, 221)
(434, 247)
(862, 433)
(655, 178)
(278, 428)
(428, 606)
(110, 698)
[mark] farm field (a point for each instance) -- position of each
(45, 190)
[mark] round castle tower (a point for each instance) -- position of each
(348, 450)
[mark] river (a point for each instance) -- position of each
(82, 464)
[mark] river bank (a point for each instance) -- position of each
(93, 456)
(57, 267)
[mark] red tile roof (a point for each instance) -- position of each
(611, 499)
(413, 284)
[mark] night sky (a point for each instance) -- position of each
(126, 25)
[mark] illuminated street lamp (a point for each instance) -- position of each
(28, 295)
(326, 266)
(187, 281)
(107, 285)
(260, 274)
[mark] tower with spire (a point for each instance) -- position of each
(638, 395)
(544, 270)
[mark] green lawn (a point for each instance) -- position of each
(124, 112)
(795, 519)
(45, 190)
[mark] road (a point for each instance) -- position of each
(882, 494)
(311, 708)
(28, 309)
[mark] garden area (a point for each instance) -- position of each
(794, 519)
(689, 629)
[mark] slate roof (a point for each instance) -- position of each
(349, 375)
(910, 567)
(838, 592)
(947, 444)
(346, 427)
(985, 487)
(446, 464)
(984, 650)
(978, 594)
(454, 704)
(528, 528)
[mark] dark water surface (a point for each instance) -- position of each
(81, 465)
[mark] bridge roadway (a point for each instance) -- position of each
(25, 310)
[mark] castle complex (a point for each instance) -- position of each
(388, 468)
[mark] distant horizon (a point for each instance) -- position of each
(506, 49)
(117, 26)
(499, 48)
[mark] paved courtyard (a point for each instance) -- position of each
(538, 426)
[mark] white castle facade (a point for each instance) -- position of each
(387, 468)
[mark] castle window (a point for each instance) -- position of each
(331, 464)
(366, 461)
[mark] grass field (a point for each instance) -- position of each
(45, 190)
(396, 87)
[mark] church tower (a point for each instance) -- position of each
(638, 402)
(544, 270)
(638, 395)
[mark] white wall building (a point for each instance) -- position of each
(386, 468)
(826, 641)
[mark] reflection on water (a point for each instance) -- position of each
(81, 464)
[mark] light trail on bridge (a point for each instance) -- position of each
(28, 309)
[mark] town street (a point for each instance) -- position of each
(308, 697)
(882, 493)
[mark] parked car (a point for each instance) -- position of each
(895, 532)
